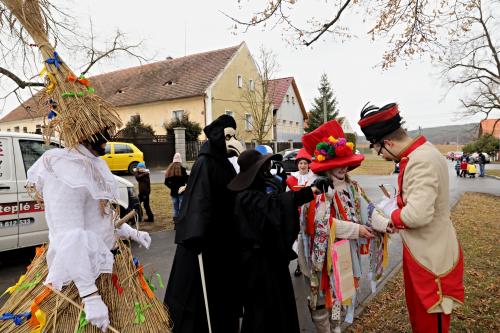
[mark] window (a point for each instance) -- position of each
(296, 123)
(239, 81)
(32, 150)
(16, 129)
(293, 99)
(291, 123)
(107, 150)
(288, 98)
(248, 121)
(251, 85)
(38, 129)
(25, 129)
(178, 114)
(8, 129)
(123, 149)
(230, 113)
(284, 122)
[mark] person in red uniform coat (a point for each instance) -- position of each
(432, 256)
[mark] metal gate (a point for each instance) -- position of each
(158, 150)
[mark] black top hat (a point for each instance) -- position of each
(378, 122)
(250, 162)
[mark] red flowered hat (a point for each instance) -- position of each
(329, 148)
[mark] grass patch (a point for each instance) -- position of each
(476, 219)
(492, 172)
(161, 205)
(374, 165)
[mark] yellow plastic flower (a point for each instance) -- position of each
(350, 145)
(320, 158)
(332, 139)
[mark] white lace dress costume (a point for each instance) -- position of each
(72, 182)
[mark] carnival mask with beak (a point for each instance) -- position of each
(234, 147)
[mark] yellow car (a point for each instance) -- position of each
(122, 156)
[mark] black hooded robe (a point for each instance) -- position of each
(268, 226)
(206, 225)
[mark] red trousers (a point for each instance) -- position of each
(422, 290)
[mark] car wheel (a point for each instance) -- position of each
(131, 167)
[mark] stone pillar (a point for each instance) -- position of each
(180, 143)
(275, 148)
(291, 143)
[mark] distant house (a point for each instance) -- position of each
(490, 126)
(203, 85)
(346, 125)
(288, 110)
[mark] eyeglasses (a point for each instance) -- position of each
(380, 149)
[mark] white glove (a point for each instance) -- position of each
(96, 312)
(388, 205)
(140, 237)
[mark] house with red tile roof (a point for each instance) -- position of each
(490, 126)
(289, 112)
(203, 85)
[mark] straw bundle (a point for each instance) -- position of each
(63, 316)
(79, 112)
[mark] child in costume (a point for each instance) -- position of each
(299, 179)
(342, 212)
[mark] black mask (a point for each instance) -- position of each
(96, 142)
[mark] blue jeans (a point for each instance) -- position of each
(177, 205)
(481, 170)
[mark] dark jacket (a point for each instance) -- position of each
(144, 182)
(206, 225)
(481, 159)
(268, 226)
(174, 182)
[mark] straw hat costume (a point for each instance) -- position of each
(86, 279)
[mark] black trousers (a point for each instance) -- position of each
(144, 199)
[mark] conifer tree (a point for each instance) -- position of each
(316, 117)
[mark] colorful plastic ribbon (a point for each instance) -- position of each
(13, 288)
(18, 319)
(52, 80)
(82, 322)
(116, 283)
(385, 260)
(81, 79)
(56, 61)
(41, 318)
(29, 285)
(143, 282)
(151, 284)
(38, 316)
(139, 312)
(160, 281)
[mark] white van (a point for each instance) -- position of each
(22, 220)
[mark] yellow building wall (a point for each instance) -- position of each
(227, 96)
(157, 113)
(30, 125)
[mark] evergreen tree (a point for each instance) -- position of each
(135, 128)
(316, 117)
(193, 129)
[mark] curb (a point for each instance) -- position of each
(363, 305)
(494, 177)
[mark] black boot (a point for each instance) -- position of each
(297, 272)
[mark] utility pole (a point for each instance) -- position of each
(325, 118)
(419, 130)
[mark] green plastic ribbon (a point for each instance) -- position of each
(160, 281)
(151, 284)
(90, 90)
(82, 322)
(72, 94)
(139, 312)
(29, 285)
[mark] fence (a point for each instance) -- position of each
(193, 149)
(158, 150)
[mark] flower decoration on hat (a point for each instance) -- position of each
(332, 147)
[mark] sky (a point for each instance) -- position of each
(177, 28)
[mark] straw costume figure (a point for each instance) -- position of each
(343, 212)
(86, 279)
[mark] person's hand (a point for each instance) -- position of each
(365, 232)
(142, 237)
(388, 205)
(320, 185)
(96, 312)
(390, 228)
